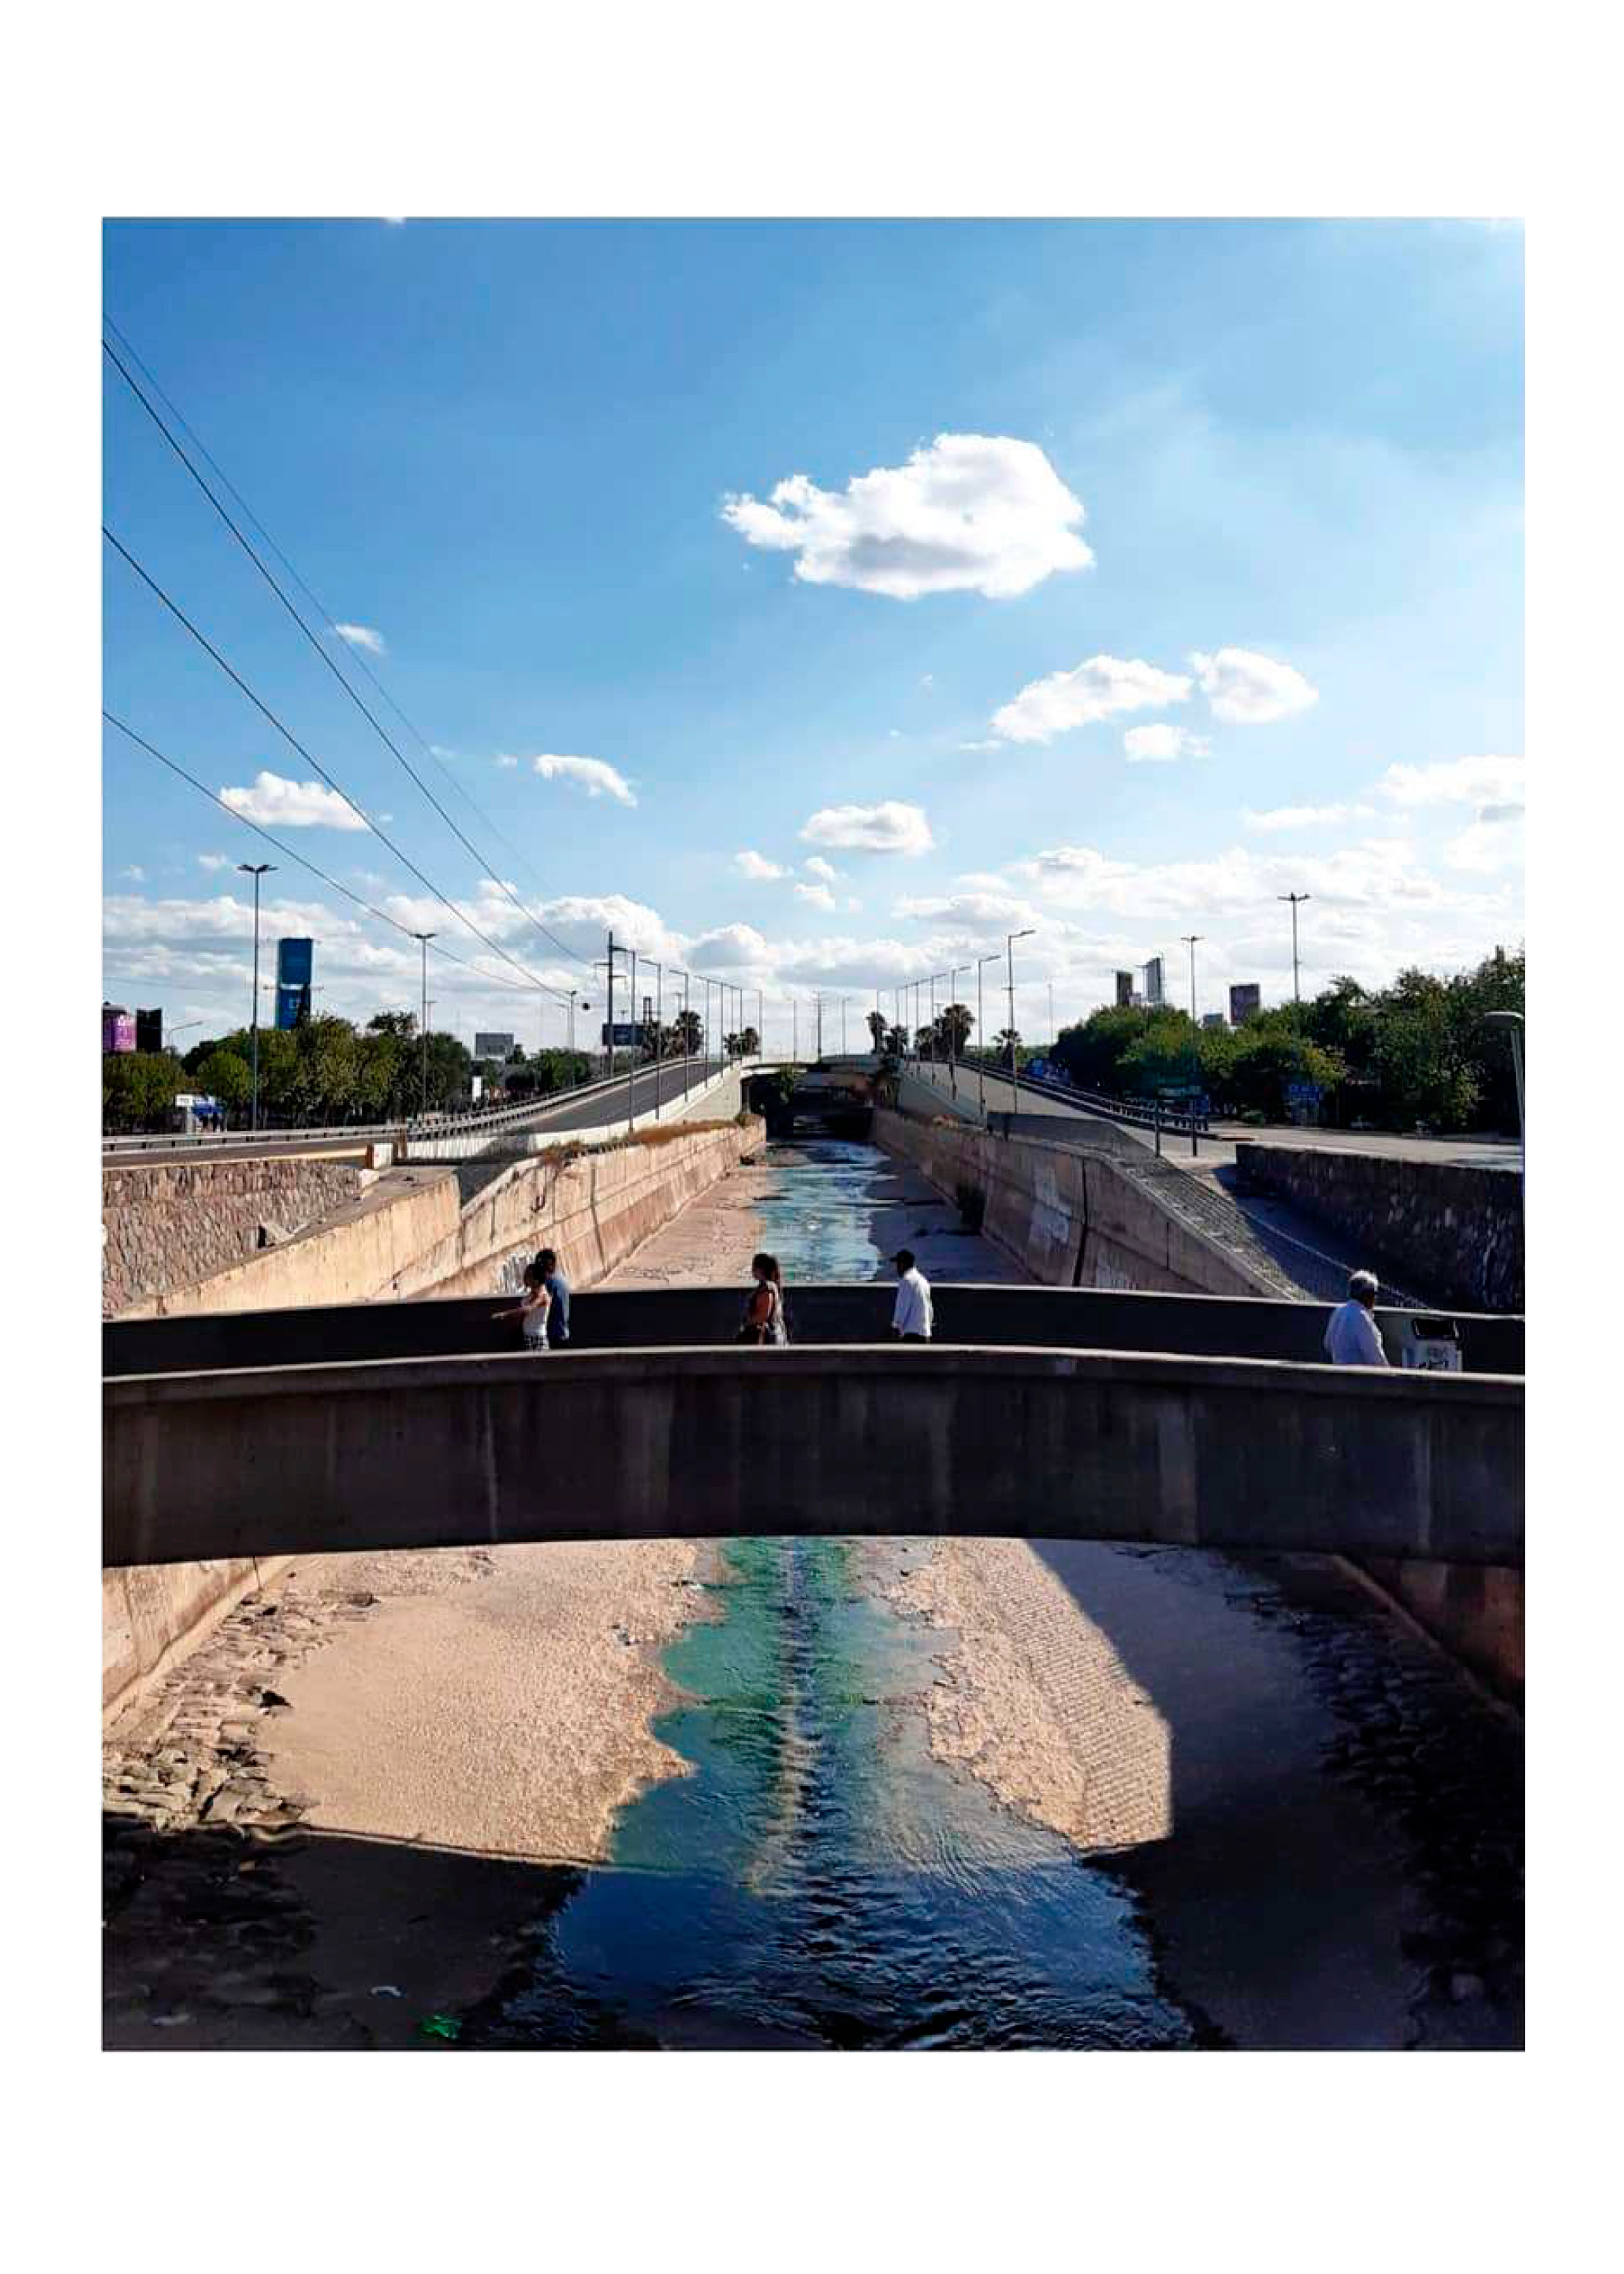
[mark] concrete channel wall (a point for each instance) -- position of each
(1070, 1216)
(414, 1230)
(174, 1223)
(1447, 1224)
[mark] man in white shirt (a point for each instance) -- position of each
(1353, 1338)
(910, 1321)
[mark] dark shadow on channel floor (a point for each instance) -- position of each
(313, 1942)
(1346, 1851)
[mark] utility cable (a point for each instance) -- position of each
(329, 661)
(293, 741)
(494, 978)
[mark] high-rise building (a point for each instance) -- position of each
(1125, 990)
(1246, 1001)
(295, 962)
(117, 1027)
(1154, 975)
(149, 1030)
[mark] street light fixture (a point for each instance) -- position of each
(1297, 900)
(981, 1028)
(256, 869)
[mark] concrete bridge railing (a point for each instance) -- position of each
(1215, 1453)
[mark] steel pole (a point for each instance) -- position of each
(253, 1110)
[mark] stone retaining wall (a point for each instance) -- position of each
(173, 1223)
(1453, 1230)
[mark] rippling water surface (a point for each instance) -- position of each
(818, 1879)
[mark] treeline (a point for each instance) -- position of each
(1415, 1054)
(324, 1071)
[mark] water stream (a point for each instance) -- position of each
(819, 1879)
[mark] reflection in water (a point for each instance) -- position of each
(819, 1879)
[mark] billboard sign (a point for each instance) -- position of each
(295, 962)
(1246, 1001)
(117, 1027)
(626, 1038)
(149, 1030)
(1125, 990)
(492, 1046)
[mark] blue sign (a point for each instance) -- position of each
(295, 962)
(1304, 1092)
(626, 1038)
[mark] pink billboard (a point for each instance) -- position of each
(117, 1027)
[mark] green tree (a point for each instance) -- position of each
(877, 1027)
(224, 1074)
(138, 1089)
(689, 1028)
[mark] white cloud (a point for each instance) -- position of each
(1492, 843)
(816, 896)
(1100, 688)
(853, 906)
(507, 762)
(968, 512)
(362, 635)
(135, 876)
(215, 860)
(1249, 689)
(595, 776)
(1309, 816)
(758, 870)
(979, 911)
(929, 679)
(1456, 781)
(888, 827)
(816, 866)
(275, 802)
(1162, 742)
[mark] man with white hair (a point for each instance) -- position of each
(1352, 1338)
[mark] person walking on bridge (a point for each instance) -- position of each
(532, 1311)
(912, 1319)
(558, 1296)
(764, 1315)
(1352, 1337)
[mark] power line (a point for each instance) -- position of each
(310, 759)
(327, 658)
(494, 978)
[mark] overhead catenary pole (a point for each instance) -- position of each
(1190, 940)
(981, 1028)
(631, 1056)
(609, 1019)
(256, 869)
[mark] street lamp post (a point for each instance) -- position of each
(1297, 900)
(1009, 944)
(1511, 1022)
(981, 1028)
(1191, 938)
(423, 939)
(256, 869)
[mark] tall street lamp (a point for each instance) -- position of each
(256, 869)
(1010, 939)
(981, 1028)
(1511, 1023)
(423, 939)
(1297, 900)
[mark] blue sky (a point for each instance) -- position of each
(1185, 568)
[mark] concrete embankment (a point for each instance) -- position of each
(414, 1232)
(1088, 1216)
(169, 1224)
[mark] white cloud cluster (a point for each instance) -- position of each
(1456, 781)
(816, 896)
(362, 635)
(1162, 744)
(1102, 688)
(816, 865)
(1249, 690)
(891, 826)
(759, 870)
(968, 512)
(275, 802)
(596, 776)
(1309, 816)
